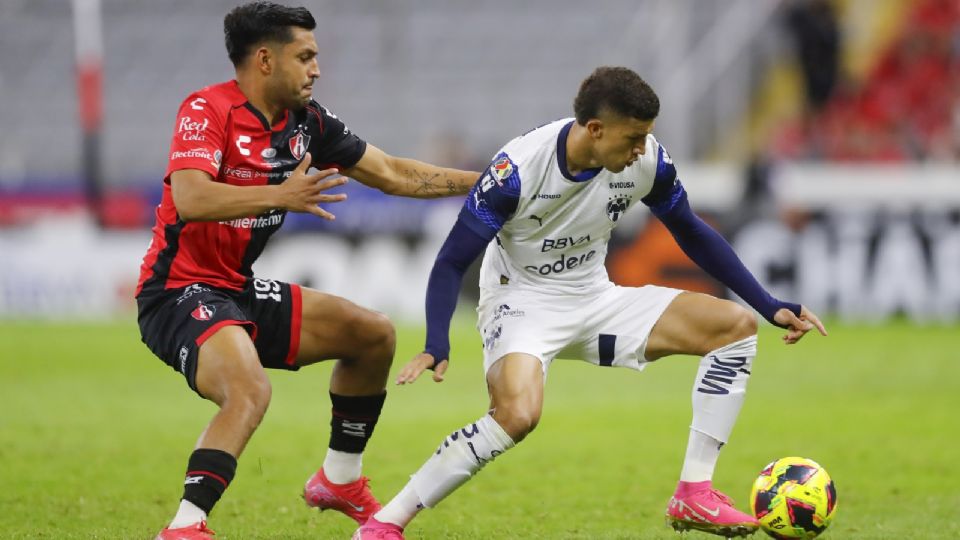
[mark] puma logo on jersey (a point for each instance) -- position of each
(537, 218)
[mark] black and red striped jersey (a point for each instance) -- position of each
(219, 132)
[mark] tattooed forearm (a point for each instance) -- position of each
(428, 183)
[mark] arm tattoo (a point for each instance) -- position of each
(427, 183)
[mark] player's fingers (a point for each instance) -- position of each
(325, 198)
(792, 320)
(328, 182)
(414, 368)
(440, 370)
(408, 374)
(304, 164)
(320, 212)
(816, 323)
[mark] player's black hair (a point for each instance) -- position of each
(256, 22)
(616, 89)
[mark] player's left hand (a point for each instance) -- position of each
(798, 326)
(418, 365)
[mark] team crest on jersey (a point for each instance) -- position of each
(617, 205)
(203, 312)
(298, 144)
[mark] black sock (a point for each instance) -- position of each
(353, 420)
(209, 472)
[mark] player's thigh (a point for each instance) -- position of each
(696, 324)
(176, 324)
(515, 383)
(229, 367)
(617, 325)
(521, 322)
(335, 328)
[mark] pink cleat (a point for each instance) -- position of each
(378, 530)
(197, 531)
(696, 505)
(353, 499)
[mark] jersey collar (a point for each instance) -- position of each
(582, 176)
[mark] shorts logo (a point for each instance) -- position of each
(203, 312)
(503, 310)
(617, 205)
(191, 290)
(298, 144)
(491, 338)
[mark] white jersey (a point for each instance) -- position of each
(556, 236)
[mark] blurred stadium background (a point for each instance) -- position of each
(821, 136)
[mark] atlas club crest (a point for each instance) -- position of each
(299, 144)
(203, 312)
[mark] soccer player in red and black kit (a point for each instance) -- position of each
(238, 162)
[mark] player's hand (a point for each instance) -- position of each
(418, 365)
(798, 326)
(303, 192)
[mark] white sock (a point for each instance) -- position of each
(342, 467)
(702, 453)
(402, 508)
(718, 394)
(459, 457)
(187, 515)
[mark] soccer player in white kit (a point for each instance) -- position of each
(550, 200)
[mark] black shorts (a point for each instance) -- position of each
(176, 322)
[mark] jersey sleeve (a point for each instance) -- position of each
(667, 191)
(494, 198)
(198, 138)
(336, 146)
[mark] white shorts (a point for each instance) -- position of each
(609, 328)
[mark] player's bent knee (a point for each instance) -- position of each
(741, 324)
(372, 330)
(517, 421)
(251, 396)
(745, 323)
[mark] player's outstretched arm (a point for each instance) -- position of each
(710, 251)
(409, 177)
(797, 326)
(462, 246)
(198, 197)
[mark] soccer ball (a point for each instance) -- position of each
(793, 498)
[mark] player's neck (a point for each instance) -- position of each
(579, 154)
(256, 95)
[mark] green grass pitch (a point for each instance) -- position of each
(95, 432)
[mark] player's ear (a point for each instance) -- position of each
(263, 58)
(595, 127)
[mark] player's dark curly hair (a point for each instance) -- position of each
(256, 22)
(616, 89)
